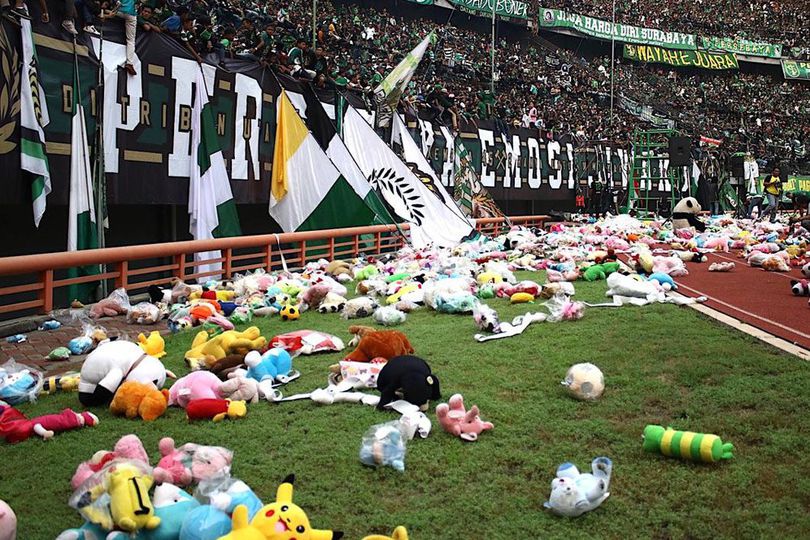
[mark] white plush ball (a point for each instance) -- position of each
(584, 381)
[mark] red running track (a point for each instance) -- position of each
(752, 295)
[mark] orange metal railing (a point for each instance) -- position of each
(136, 267)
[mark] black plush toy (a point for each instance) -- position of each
(409, 376)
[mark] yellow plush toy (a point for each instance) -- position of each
(130, 506)
(204, 351)
(489, 277)
(521, 298)
(152, 345)
(394, 298)
(283, 520)
(399, 534)
(241, 528)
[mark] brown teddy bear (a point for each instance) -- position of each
(371, 343)
(336, 268)
(133, 399)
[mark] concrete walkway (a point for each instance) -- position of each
(34, 350)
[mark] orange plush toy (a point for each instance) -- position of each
(133, 399)
(378, 344)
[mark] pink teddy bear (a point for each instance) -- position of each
(127, 447)
(190, 463)
(195, 385)
(457, 421)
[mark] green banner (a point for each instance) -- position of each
(698, 59)
(793, 69)
(741, 46)
(555, 18)
(503, 8)
(423, 2)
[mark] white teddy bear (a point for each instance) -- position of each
(574, 493)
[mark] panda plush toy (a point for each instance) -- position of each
(113, 363)
(684, 215)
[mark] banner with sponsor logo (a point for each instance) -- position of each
(795, 69)
(696, 59)
(598, 28)
(503, 8)
(740, 46)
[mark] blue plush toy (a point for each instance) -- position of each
(665, 280)
(384, 444)
(204, 523)
(80, 345)
(455, 303)
(275, 364)
(18, 384)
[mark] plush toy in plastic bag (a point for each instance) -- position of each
(307, 342)
(562, 308)
(364, 372)
(117, 497)
(117, 303)
(19, 383)
(384, 444)
(389, 316)
(144, 313)
(91, 336)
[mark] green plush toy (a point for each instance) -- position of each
(610, 267)
(594, 273)
(486, 292)
(686, 444)
(366, 272)
(397, 277)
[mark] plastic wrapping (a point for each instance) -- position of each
(117, 303)
(365, 372)
(19, 383)
(389, 316)
(92, 499)
(562, 308)
(59, 354)
(307, 342)
(384, 445)
(144, 313)
(91, 335)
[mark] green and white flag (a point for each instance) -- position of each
(307, 191)
(390, 89)
(211, 208)
(473, 198)
(82, 233)
(33, 117)
(408, 197)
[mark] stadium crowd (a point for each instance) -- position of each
(773, 21)
(537, 85)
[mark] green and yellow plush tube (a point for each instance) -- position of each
(686, 444)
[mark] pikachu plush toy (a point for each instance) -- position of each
(281, 520)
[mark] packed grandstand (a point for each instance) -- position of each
(547, 81)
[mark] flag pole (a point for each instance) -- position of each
(492, 50)
(98, 163)
(612, 57)
(314, 25)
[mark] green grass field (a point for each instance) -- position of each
(663, 364)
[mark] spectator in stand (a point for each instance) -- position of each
(147, 20)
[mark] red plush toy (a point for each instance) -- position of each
(15, 427)
(215, 409)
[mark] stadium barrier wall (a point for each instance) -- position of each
(133, 267)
